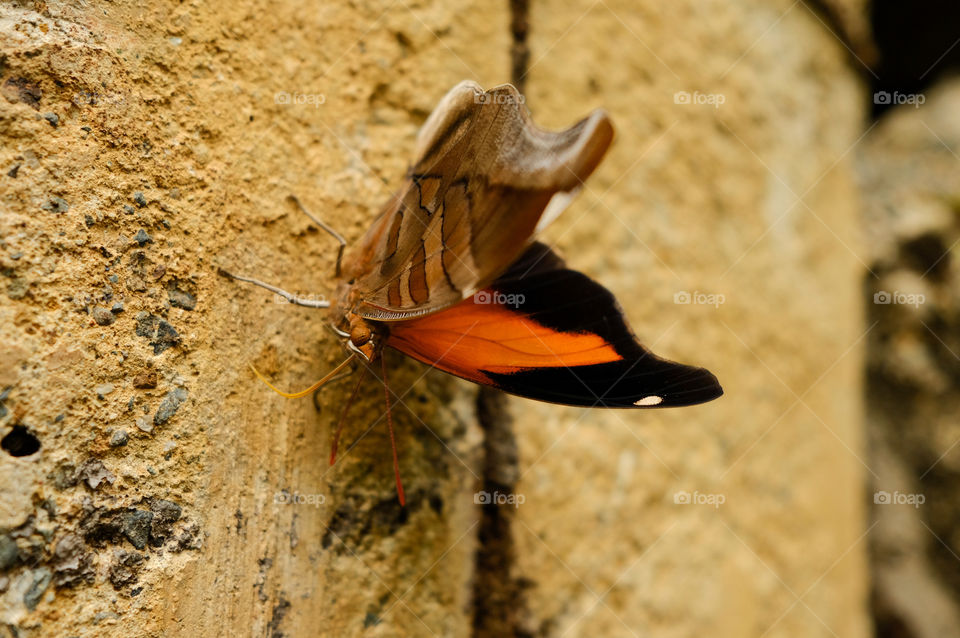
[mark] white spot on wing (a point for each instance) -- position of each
(650, 400)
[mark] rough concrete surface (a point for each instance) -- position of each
(173, 154)
(171, 493)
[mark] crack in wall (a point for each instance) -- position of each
(499, 606)
(519, 50)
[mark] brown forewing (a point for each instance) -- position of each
(483, 178)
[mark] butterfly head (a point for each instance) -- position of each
(359, 335)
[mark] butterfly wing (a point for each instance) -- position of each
(545, 332)
(484, 178)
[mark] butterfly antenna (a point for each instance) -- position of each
(319, 222)
(393, 441)
(303, 393)
(289, 296)
(343, 417)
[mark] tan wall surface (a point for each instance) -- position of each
(697, 198)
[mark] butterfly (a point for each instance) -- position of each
(449, 272)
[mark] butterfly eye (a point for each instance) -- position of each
(359, 334)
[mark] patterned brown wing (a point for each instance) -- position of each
(485, 179)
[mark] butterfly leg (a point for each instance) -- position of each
(393, 441)
(319, 222)
(292, 298)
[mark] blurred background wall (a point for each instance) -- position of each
(780, 206)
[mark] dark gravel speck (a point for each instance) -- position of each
(103, 316)
(119, 438)
(18, 288)
(161, 334)
(181, 299)
(142, 237)
(128, 209)
(136, 527)
(165, 514)
(94, 472)
(52, 118)
(8, 552)
(124, 569)
(13, 171)
(117, 307)
(65, 476)
(23, 89)
(56, 205)
(41, 580)
(169, 406)
(145, 380)
(139, 199)
(72, 563)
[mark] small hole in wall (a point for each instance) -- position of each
(20, 442)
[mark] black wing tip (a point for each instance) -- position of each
(703, 387)
(665, 385)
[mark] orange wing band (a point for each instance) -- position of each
(470, 338)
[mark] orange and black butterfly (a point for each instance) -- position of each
(449, 273)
